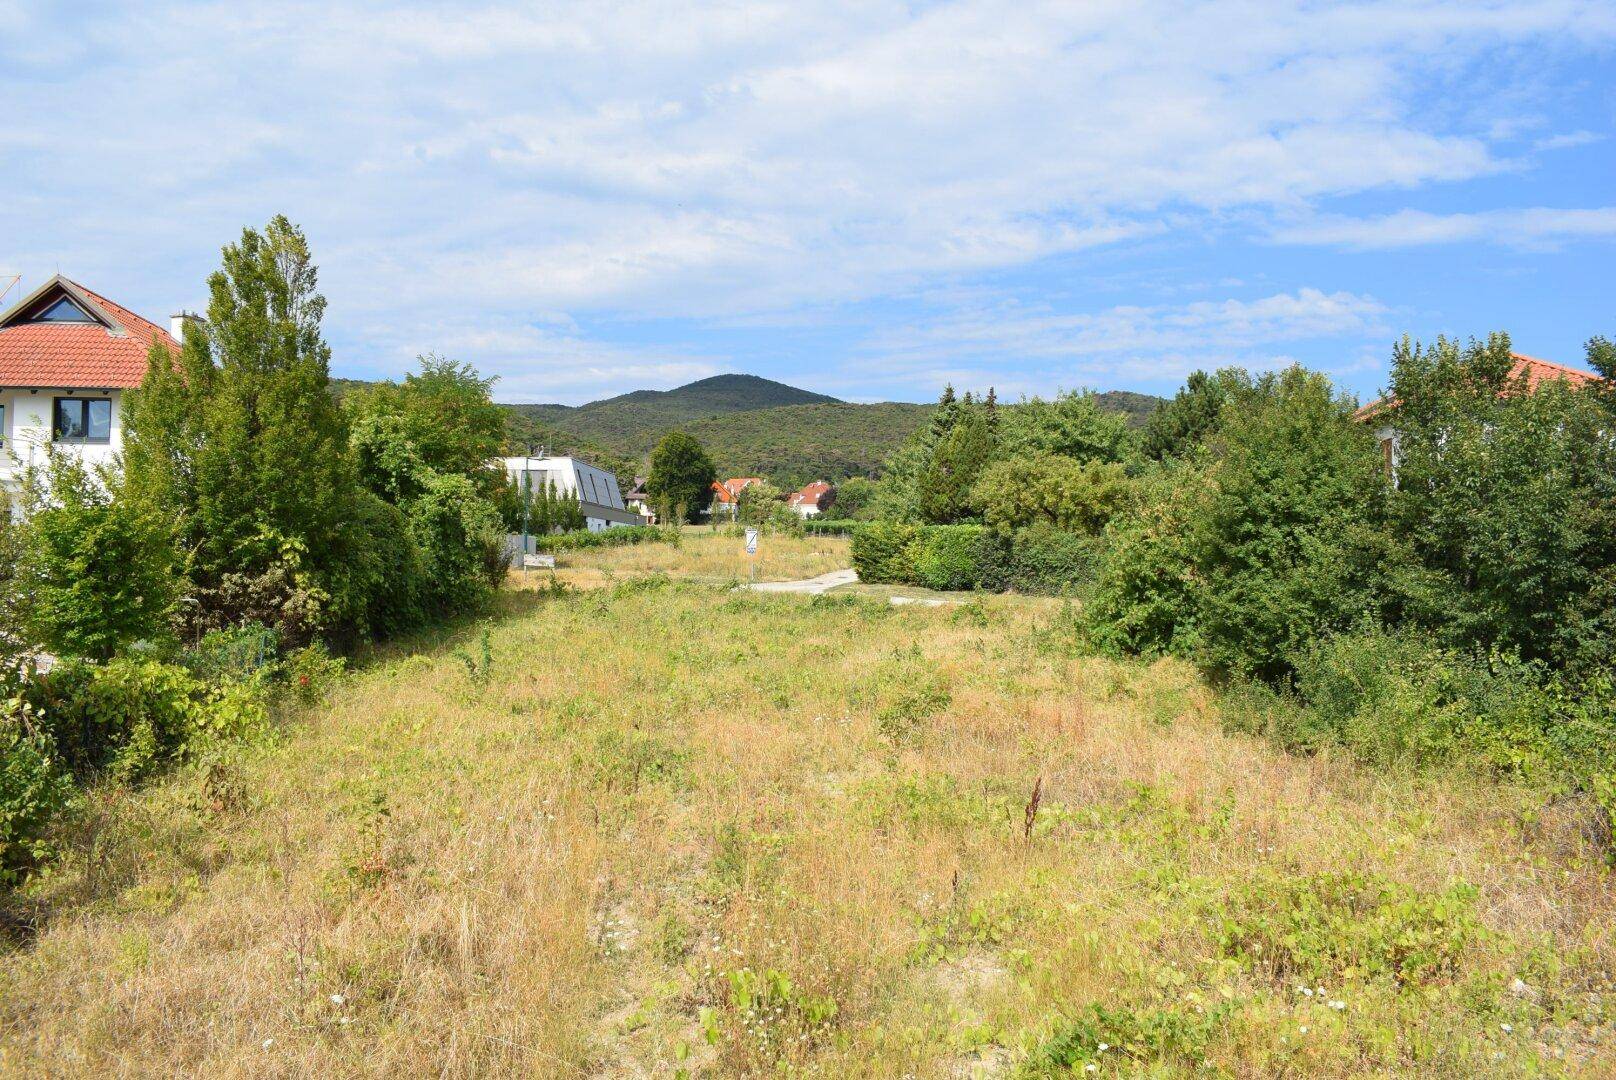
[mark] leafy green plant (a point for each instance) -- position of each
(35, 790)
(1123, 1039)
(1348, 925)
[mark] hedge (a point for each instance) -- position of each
(1040, 559)
(614, 537)
(819, 527)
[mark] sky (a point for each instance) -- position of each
(866, 200)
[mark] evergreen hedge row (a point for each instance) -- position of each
(1040, 559)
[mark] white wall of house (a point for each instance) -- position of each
(27, 427)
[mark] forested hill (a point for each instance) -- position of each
(750, 426)
(632, 423)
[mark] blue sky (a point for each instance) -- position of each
(863, 199)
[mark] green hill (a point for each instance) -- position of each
(799, 443)
(633, 422)
(751, 427)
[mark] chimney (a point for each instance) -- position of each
(177, 321)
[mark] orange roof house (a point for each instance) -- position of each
(63, 336)
(812, 499)
(67, 355)
(1536, 372)
(728, 492)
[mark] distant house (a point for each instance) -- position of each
(1536, 372)
(596, 489)
(639, 501)
(67, 356)
(727, 493)
(814, 499)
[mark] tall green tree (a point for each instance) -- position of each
(1069, 425)
(681, 478)
(445, 412)
(240, 443)
(1291, 541)
(956, 461)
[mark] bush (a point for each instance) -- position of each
(1144, 596)
(97, 568)
(34, 790)
(130, 716)
(951, 557)
(1048, 490)
(461, 542)
(885, 552)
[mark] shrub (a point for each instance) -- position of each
(1048, 490)
(34, 790)
(1144, 599)
(130, 716)
(951, 557)
(97, 568)
(885, 552)
(461, 542)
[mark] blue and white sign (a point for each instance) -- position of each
(751, 541)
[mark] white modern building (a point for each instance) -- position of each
(67, 356)
(595, 488)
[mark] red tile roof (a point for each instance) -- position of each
(813, 494)
(728, 491)
(1535, 371)
(78, 355)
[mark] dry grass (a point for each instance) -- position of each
(681, 828)
(701, 555)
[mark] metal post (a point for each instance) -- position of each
(527, 502)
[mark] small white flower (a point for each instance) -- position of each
(1091, 1067)
(337, 999)
(1338, 1005)
(268, 1043)
(1302, 1029)
(345, 1021)
(1104, 1047)
(1505, 1028)
(1308, 990)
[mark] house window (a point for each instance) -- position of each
(83, 420)
(64, 310)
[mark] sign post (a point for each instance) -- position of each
(751, 550)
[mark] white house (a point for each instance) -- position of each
(67, 356)
(596, 489)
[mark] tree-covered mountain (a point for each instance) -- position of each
(633, 422)
(749, 425)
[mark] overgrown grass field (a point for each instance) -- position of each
(660, 828)
(701, 554)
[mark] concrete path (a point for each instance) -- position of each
(836, 578)
(812, 586)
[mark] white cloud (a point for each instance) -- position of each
(1540, 227)
(1155, 343)
(733, 162)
